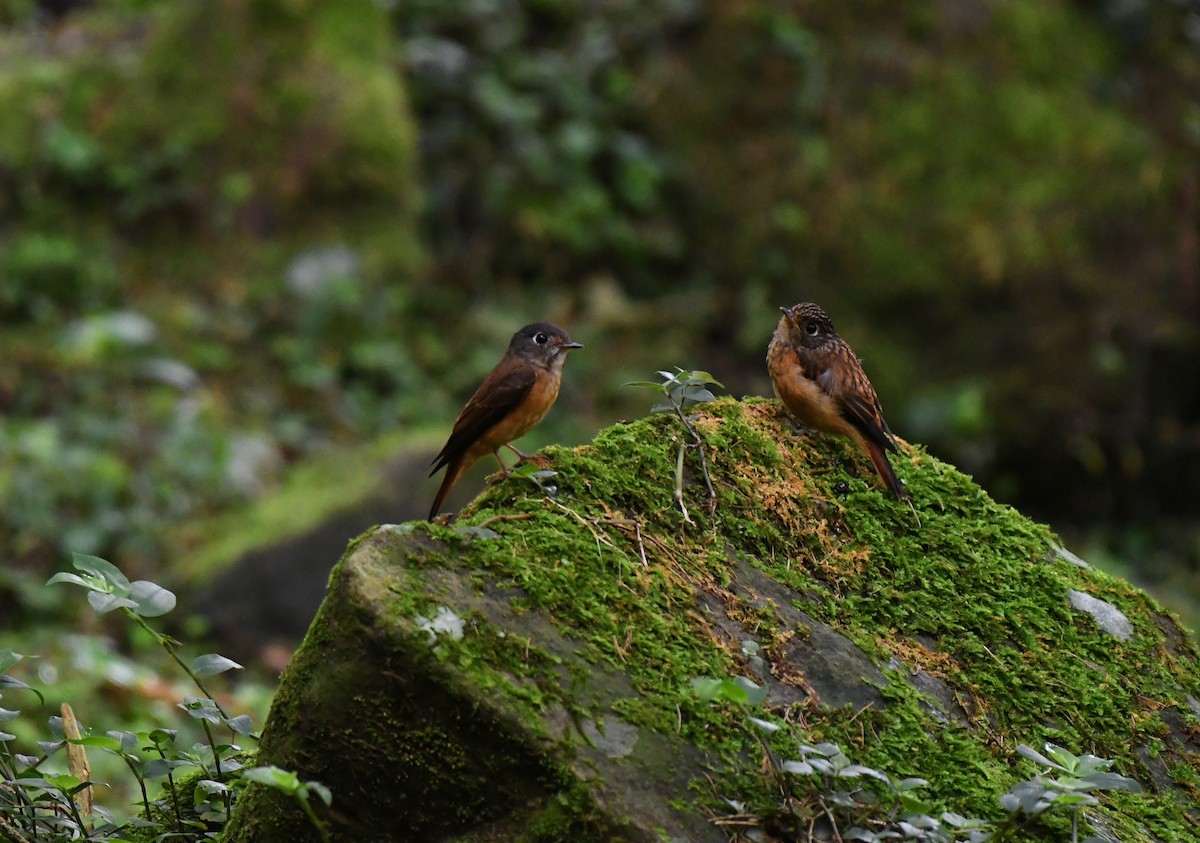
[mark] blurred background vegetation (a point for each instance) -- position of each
(241, 238)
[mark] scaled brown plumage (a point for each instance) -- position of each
(821, 382)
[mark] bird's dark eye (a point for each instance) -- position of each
(541, 339)
(812, 329)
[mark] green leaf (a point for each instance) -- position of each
(754, 693)
(75, 579)
(273, 776)
(8, 714)
(12, 682)
(211, 664)
(734, 693)
(1034, 756)
(697, 394)
(159, 767)
(243, 724)
(201, 708)
(1069, 799)
(1062, 757)
(704, 377)
(959, 821)
(64, 782)
(739, 690)
(322, 792)
(31, 782)
(210, 787)
(162, 737)
(104, 602)
(853, 771)
(97, 741)
(824, 749)
(129, 741)
(152, 599)
(707, 689)
(799, 768)
(101, 570)
(1090, 764)
(1112, 781)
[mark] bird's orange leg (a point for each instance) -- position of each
(521, 455)
(503, 467)
(536, 459)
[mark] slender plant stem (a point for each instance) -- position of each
(10, 772)
(213, 743)
(306, 804)
(698, 444)
(679, 484)
(174, 793)
(837, 835)
(170, 648)
(69, 798)
(140, 780)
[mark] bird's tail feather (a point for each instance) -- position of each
(454, 470)
(884, 468)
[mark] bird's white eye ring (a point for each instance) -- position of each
(812, 329)
(541, 339)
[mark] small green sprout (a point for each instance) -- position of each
(683, 391)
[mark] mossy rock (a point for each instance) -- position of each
(926, 641)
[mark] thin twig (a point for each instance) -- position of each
(637, 529)
(679, 483)
(698, 444)
(515, 516)
(587, 523)
(625, 524)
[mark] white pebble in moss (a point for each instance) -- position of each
(1068, 556)
(1108, 616)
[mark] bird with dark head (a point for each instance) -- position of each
(512, 399)
(821, 382)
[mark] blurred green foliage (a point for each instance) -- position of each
(162, 728)
(538, 161)
(206, 210)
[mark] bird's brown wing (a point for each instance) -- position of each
(500, 393)
(847, 383)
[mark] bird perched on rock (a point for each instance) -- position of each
(512, 399)
(821, 382)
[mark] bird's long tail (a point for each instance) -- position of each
(884, 468)
(454, 470)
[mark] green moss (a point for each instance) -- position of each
(604, 601)
(807, 511)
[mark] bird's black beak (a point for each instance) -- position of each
(787, 313)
